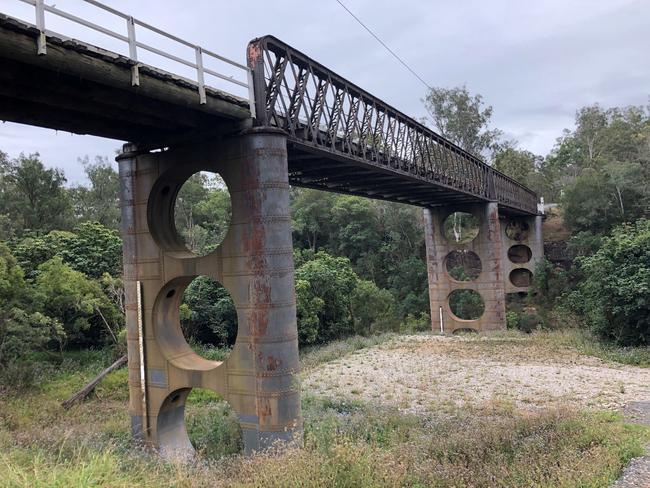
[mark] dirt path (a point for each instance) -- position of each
(419, 372)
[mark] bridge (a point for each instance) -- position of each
(281, 119)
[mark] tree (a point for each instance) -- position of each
(311, 214)
(209, 314)
(309, 307)
(100, 201)
(614, 144)
(516, 163)
(21, 331)
(463, 119)
(36, 198)
(87, 314)
(202, 212)
(614, 295)
(91, 249)
(372, 309)
(332, 280)
(7, 226)
(355, 227)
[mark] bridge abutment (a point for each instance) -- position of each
(254, 263)
(463, 273)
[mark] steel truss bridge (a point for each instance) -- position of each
(340, 137)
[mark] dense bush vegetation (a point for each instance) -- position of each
(614, 294)
(603, 171)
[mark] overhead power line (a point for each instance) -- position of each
(384, 44)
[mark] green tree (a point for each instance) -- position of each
(614, 295)
(311, 212)
(332, 280)
(589, 204)
(372, 309)
(516, 163)
(35, 197)
(90, 248)
(356, 233)
(21, 331)
(309, 308)
(613, 143)
(462, 118)
(87, 314)
(98, 202)
(209, 314)
(202, 212)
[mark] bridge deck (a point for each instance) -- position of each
(340, 138)
(84, 89)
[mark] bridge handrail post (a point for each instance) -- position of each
(40, 25)
(41, 7)
(133, 51)
(199, 75)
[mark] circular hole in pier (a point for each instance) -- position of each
(202, 212)
(521, 277)
(466, 304)
(460, 227)
(463, 265)
(519, 254)
(517, 230)
(208, 318)
(212, 425)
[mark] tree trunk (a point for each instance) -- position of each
(86, 390)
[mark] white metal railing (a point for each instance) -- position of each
(133, 45)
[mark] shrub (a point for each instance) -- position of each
(21, 332)
(512, 320)
(78, 303)
(615, 292)
(413, 324)
(530, 322)
(373, 309)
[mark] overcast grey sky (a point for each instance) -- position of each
(534, 62)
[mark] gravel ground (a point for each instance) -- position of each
(417, 373)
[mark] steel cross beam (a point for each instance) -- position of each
(322, 110)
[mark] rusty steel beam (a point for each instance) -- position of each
(321, 111)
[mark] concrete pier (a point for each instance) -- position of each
(254, 263)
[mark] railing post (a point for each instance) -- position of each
(133, 51)
(251, 94)
(41, 47)
(491, 193)
(255, 60)
(199, 74)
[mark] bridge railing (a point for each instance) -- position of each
(201, 55)
(317, 107)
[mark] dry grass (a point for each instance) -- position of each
(355, 441)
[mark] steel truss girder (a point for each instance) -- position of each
(319, 108)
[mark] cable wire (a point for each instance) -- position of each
(384, 44)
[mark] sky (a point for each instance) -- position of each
(536, 63)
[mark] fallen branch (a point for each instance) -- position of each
(86, 390)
